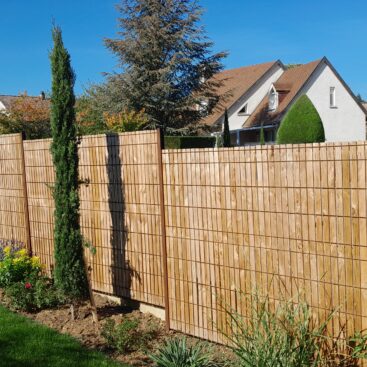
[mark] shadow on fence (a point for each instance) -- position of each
(122, 271)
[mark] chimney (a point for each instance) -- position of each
(43, 95)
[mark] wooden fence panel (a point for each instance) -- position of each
(120, 211)
(284, 219)
(13, 199)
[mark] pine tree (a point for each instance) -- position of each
(69, 264)
(167, 63)
(226, 133)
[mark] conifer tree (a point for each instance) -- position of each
(226, 133)
(167, 63)
(69, 270)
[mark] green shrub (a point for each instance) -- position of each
(187, 142)
(10, 246)
(302, 124)
(283, 337)
(128, 336)
(287, 335)
(32, 296)
(18, 267)
(176, 353)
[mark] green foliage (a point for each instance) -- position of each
(128, 336)
(167, 64)
(30, 129)
(286, 334)
(89, 116)
(34, 295)
(187, 142)
(302, 124)
(18, 267)
(262, 136)
(226, 133)
(126, 121)
(282, 335)
(176, 353)
(69, 262)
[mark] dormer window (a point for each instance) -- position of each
(243, 111)
(273, 99)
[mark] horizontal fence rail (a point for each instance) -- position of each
(191, 230)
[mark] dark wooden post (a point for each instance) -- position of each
(160, 144)
(25, 196)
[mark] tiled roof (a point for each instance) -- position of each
(288, 86)
(235, 83)
(7, 100)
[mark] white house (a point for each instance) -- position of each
(260, 96)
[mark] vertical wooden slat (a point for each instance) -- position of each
(163, 230)
(25, 195)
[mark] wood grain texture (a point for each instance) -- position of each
(13, 198)
(119, 207)
(287, 220)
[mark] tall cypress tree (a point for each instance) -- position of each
(226, 133)
(69, 263)
(167, 63)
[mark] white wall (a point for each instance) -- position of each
(2, 107)
(346, 122)
(253, 99)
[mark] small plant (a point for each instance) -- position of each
(287, 335)
(18, 267)
(283, 335)
(32, 296)
(13, 245)
(176, 353)
(128, 336)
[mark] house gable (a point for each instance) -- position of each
(236, 84)
(343, 115)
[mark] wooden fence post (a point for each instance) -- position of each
(163, 228)
(25, 196)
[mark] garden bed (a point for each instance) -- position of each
(84, 330)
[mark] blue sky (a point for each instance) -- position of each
(252, 31)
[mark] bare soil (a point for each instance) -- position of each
(89, 333)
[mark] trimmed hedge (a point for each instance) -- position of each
(302, 124)
(187, 142)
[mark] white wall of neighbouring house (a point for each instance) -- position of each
(253, 98)
(2, 107)
(344, 122)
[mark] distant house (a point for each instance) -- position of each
(261, 95)
(6, 101)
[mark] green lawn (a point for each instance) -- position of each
(24, 343)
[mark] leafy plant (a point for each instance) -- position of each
(176, 353)
(287, 335)
(18, 267)
(126, 121)
(13, 245)
(128, 335)
(32, 296)
(282, 336)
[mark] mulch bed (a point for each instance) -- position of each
(83, 328)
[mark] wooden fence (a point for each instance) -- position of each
(283, 219)
(120, 211)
